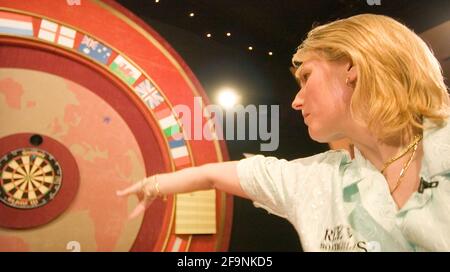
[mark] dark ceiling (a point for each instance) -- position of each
(279, 25)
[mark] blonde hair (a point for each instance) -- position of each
(399, 80)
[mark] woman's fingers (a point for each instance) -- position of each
(138, 210)
(141, 207)
(135, 188)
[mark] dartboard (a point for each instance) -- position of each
(30, 178)
(88, 94)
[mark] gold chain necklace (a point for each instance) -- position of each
(414, 145)
(416, 140)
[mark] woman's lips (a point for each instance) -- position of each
(305, 118)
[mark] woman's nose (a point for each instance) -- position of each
(297, 104)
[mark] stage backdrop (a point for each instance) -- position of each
(87, 92)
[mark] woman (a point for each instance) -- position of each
(371, 80)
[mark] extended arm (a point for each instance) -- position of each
(222, 176)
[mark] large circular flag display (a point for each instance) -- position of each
(87, 98)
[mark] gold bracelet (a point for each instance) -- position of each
(158, 192)
(145, 188)
(156, 186)
(152, 190)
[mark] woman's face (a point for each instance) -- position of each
(324, 97)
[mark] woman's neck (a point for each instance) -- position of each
(379, 153)
(376, 151)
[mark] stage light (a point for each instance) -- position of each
(191, 14)
(270, 53)
(228, 34)
(208, 35)
(227, 97)
(250, 48)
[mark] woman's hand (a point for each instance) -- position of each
(146, 190)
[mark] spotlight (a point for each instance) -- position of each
(227, 97)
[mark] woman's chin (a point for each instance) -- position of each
(320, 136)
(316, 136)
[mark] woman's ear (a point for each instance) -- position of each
(352, 74)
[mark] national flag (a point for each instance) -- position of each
(179, 152)
(56, 33)
(95, 49)
(125, 70)
(13, 23)
(148, 93)
(167, 122)
(178, 149)
(176, 143)
(175, 136)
